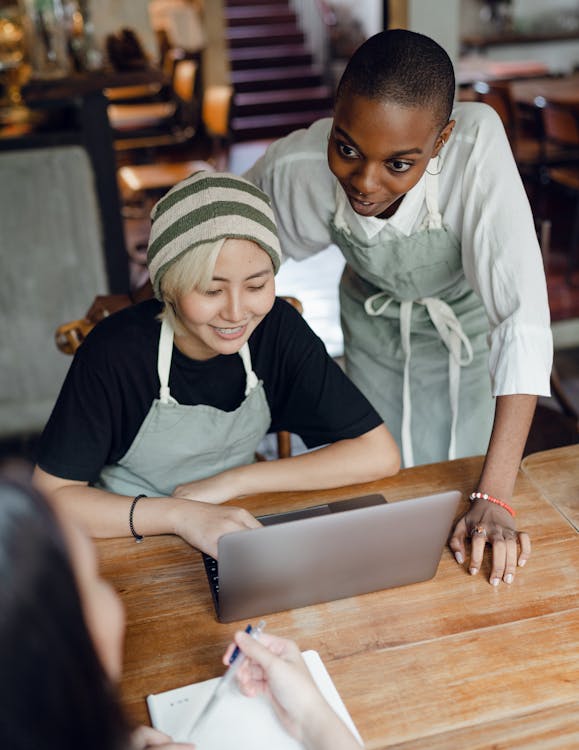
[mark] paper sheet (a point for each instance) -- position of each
(238, 722)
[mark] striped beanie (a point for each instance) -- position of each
(205, 208)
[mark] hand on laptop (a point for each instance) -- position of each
(275, 666)
(487, 522)
(201, 524)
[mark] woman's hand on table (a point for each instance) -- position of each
(487, 522)
(201, 524)
(144, 737)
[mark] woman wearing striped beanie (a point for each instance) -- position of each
(166, 402)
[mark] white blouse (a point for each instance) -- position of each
(482, 201)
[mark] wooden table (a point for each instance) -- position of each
(556, 474)
(448, 663)
(561, 90)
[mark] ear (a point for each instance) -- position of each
(443, 137)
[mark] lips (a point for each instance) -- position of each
(364, 208)
(230, 333)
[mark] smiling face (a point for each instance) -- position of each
(221, 319)
(379, 150)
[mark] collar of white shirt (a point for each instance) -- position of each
(403, 221)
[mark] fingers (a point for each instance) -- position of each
(457, 541)
(510, 559)
(255, 650)
(144, 737)
(499, 561)
(525, 543)
(478, 542)
(504, 553)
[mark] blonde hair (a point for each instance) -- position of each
(192, 271)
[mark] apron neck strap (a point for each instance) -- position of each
(164, 360)
(250, 377)
(339, 218)
(164, 363)
(434, 219)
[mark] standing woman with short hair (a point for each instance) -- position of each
(443, 297)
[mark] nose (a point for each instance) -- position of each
(233, 308)
(366, 179)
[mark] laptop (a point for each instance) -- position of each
(329, 552)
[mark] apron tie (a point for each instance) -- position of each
(452, 336)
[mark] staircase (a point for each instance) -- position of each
(277, 85)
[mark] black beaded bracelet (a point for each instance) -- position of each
(138, 537)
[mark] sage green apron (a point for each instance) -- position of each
(416, 335)
(178, 443)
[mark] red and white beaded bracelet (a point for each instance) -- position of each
(483, 496)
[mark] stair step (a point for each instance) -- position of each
(272, 126)
(289, 100)
(258, 15)
(244, 58)
(291, 77)
(251, 36)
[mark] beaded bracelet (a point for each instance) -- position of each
(483, 496)
(138, 537)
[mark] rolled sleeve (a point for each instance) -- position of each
(503, 264)
(520, 359)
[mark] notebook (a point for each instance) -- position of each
(329, 552)
(237, 722)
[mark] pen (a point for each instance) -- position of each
(235, 653)
(236, 660)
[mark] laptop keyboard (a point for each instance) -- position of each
(212, 571)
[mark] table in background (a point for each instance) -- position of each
(556, 474)
(447, 663)
(561, 90)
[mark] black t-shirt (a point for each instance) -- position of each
(113, 380)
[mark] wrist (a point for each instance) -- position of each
(477, 495)
(176, 514)
(322, 729)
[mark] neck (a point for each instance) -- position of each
(391, 210)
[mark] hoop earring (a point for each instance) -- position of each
(438, 166)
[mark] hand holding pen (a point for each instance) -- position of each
(234, 662)
(274, 666)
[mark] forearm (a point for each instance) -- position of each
(327, 732)
(513, 417)
(104, 514)
(363, 459)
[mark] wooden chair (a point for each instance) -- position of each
(160, 123)
(141, 185)
(69, 336)
(142, 182)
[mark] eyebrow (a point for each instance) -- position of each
(406, 152)
(257, 275)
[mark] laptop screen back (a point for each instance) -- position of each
(332, 555)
